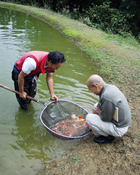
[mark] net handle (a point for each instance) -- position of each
(29, 97)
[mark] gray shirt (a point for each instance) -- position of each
(110, 98)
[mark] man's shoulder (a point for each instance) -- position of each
(110, 88)
(112, 93)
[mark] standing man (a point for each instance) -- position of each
(27, 69)
(111, 117)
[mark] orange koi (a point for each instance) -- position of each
(80, 118)
(71, 127)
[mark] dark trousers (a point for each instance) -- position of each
(30, 87)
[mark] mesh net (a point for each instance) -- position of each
(65, 118)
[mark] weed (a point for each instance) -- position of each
(75, 159)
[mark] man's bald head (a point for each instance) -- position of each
(95, 80)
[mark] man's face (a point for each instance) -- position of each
(54, 66)
(95, 89)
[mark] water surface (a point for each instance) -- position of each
(26, 145)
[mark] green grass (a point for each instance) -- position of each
(75, 159)
(113, 54)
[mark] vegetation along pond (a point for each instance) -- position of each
(25, 144)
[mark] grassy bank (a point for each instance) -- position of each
(111, 53)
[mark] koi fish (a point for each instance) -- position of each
(71, 127)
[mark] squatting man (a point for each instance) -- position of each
(111, 117)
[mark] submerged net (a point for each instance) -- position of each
(65, 118)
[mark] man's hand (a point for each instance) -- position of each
(54, 98)
(23, 95)
(96, 110)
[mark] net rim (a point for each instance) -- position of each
(59, 135)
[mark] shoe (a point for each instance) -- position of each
(104, 139)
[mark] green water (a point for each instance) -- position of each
(25, 144)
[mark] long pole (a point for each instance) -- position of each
(29, 97)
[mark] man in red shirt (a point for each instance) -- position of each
(27, 69)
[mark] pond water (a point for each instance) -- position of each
(25, 144)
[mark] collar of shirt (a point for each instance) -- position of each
(102, 90)
(45, 64)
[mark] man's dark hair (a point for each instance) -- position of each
(56, 57)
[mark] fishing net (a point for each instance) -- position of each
(65, 119)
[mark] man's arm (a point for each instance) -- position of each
(49, 80)
(107, 110)
(21, 84)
